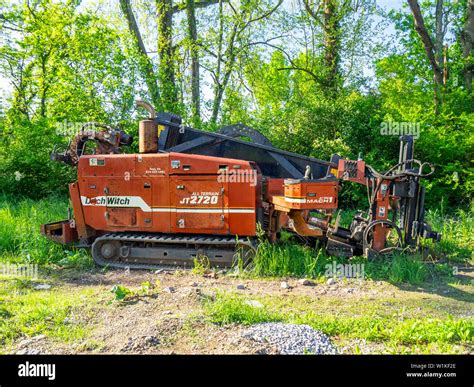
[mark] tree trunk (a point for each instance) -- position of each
(216, 103)
(330, 25)
(331, 44)
(467, 39)
(218, 89)
(43, 83)
(445, 65)
(439, 36)
(193, 37)
(430, 51)
(145, 63)
(228, 68)
(165, 52)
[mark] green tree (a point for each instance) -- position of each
(66, 67)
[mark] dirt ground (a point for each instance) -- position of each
(171, 320)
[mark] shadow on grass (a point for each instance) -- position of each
(444, 284)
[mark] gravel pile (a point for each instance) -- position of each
(140, 343)
(291, 339)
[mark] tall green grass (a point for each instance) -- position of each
(289, 259)
(20, 237)
(293, 260)
(409, 268)
(457, 230)
(398, 268)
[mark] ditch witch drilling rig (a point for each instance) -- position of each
(190, 193)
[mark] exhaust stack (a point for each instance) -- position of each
(147, 130)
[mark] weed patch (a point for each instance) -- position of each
(226, 309)
(25, 311)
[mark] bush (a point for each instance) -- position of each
(25, 165)
(20, 238)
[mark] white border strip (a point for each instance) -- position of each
(138, 202)
(293, 200)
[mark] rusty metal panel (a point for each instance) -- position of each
(125, 217)
(198, 203)
(60, 232)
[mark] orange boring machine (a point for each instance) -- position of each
(189, 193)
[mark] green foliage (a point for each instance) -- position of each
(147, 289)
(20, 238)
(29, 173)
(120, 292)
(448, 142)
(297, 115)
(406, 95)
(66, 67)
(292, 259)
(409, 331)
(201, 264)
(295, 111)
(433, 330)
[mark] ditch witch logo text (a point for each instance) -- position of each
(108, 201)
(37, 370)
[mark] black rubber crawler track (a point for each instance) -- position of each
(229, 245)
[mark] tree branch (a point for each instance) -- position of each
(198, 4)
(313, 14)
(426, 39)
